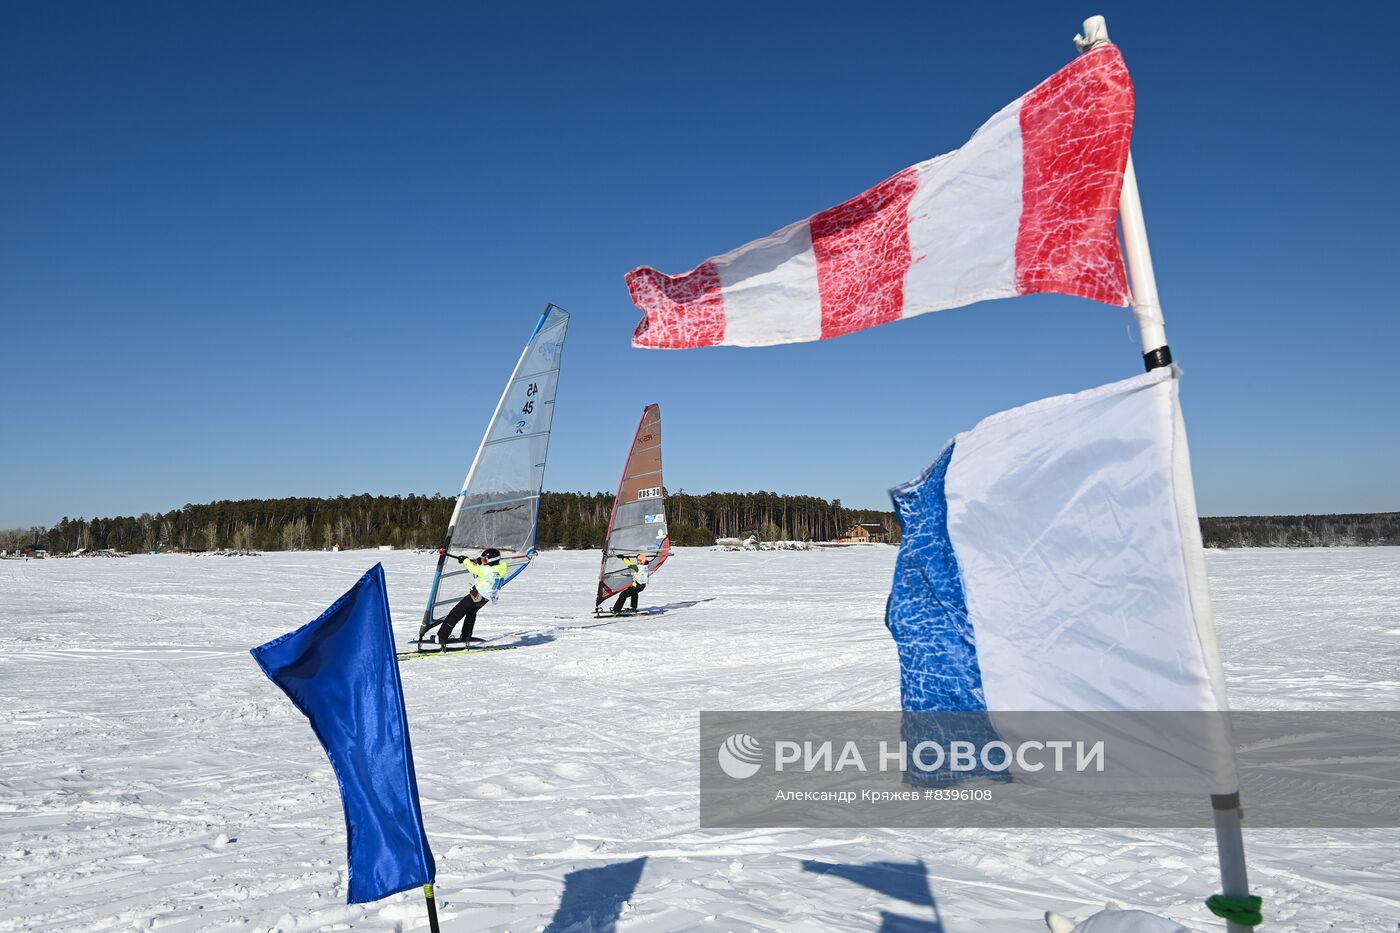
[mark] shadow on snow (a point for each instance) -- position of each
(524, 641)
(594, 897)
(608, 619)
(904, 881)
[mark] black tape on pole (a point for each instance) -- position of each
(1156, 359)
(1225, 801)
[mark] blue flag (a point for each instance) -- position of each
(341, 671)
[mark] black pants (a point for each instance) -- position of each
(632, 592)
(465, 612)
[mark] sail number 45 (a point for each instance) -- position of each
(528, 408)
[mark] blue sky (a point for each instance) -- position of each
(264, 249)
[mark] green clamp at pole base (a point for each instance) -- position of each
(432, 907)
(1246, 911)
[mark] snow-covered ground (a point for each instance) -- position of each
(151, 777)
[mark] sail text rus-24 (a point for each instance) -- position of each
(499, 504)
(638, 523)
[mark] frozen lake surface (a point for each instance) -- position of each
(152, 778)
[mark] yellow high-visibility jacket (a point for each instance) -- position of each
(640, 572)
(487, 579)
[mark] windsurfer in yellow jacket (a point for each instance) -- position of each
(640, 575)
(488, 574)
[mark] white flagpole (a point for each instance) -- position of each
(1147, 310)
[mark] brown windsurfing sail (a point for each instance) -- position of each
(638, 523)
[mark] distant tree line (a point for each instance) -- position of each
(567, 519)
(580, 520)
(1302, 530)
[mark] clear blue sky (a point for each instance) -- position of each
(268, 249)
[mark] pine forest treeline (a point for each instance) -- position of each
(1354, 530)
(579, 520)
(567, 519)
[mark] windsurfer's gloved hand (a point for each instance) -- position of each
(495, 596)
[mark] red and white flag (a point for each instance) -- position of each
(1029, 204)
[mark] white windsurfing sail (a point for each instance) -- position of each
(499, 504)
(638, 522)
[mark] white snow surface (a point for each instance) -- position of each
(152, 778)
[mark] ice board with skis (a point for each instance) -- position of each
(498, 506)
(638, 521)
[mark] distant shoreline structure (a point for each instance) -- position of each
(574, 520)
